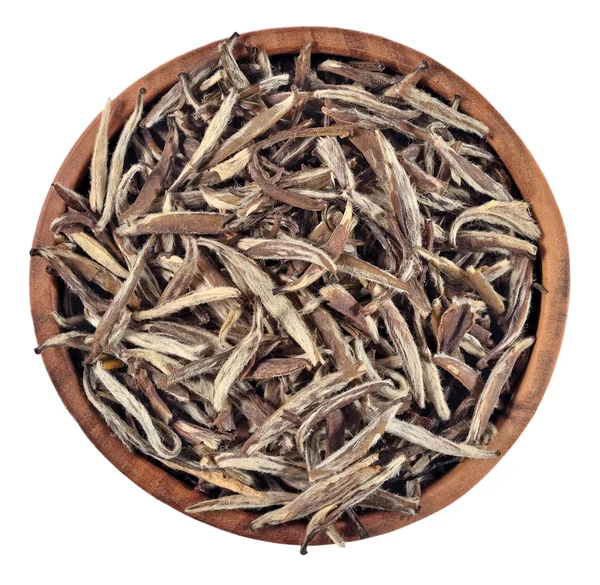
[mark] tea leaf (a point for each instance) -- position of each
(242, 354)
(156, 181)
(99, 166)
(174, 222)
(211, 137)
(241, 502)
(493, 386)
(117, 161)
(406, 348)
(192, 299)
(422, 437)
(255, 127)
(513, 215)
(119, 302)
(250, 279)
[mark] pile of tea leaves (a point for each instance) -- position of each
(301, 283)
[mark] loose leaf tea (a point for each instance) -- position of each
(300, 284)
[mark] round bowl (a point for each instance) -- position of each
(553, 250)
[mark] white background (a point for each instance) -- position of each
(68, 516)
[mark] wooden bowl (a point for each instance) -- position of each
(525, 173)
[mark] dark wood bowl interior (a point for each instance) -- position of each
(554, 262)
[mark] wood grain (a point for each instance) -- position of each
(526, 174)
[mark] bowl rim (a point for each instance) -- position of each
(553, 253)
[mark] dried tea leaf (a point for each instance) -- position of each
(117, 161)
(157, 404)
(495, 243)
(358, 97)
(277, 367)
(156, 181)
(254, 128)
(521, 286)
(434, 391)
(360, 75)
(87, 296)
(293, 198)
(341, 300)
(438, 110)
(72, 339)
(285, 249)
(493, 386)
(422, 437)
(334, 403)
(174, 222)
(132, 405)
(241, 502)
(401, 192)
(216, 478)
(319, 494)
(119, 302)
(333, 248)
(467, 376)
(297, 405)
(192, 299)
(406, 348)
(210, 140)
(363, 490)
(302, 65)
(454, 323)
(99, 165)
(357, 447)
(486, 291)
(243, 353)
(97, 252)
(363, 270)
(91, 271)
(469, 172)
(514, 215)
(227, 169)
(230, 65)
(251, 280)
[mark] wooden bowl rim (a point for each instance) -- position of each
(525, 172)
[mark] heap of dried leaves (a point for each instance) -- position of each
(302, 282)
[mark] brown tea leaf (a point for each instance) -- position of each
(243, 353)
(514, 215)
(493, 386)
(255, 127)
(241, 502)
(99, 166)
(469, 172)
(120, 300)
(422, 437)
(363, 270)
(299, 403)
(284, 249)
(251, 280)
(210, 140)
(156, 181)
(208, 295)
(118, 160)
(454, 323)
(467, 376)
(405, 347)
(174, 222)
(340, 300)
(276, 367)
